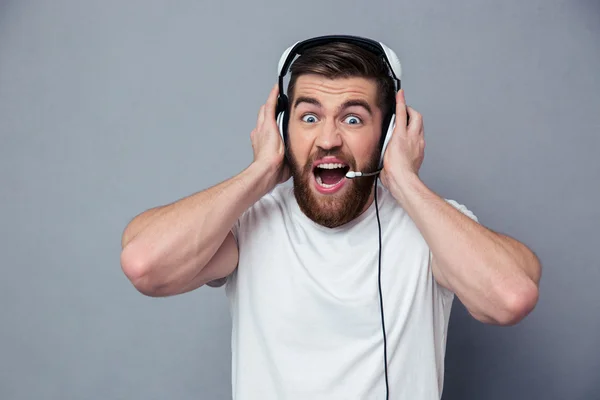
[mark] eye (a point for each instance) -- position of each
(310, 118)
(352, 120)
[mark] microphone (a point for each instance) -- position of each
(357, 174)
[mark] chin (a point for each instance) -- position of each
(330, 205)
(323, 192)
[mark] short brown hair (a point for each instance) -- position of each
(345, 60)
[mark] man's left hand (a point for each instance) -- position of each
(406, 149)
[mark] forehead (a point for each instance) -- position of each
(336, 91)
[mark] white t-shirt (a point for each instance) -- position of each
(304, 302)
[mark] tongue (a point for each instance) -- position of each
(332, 176)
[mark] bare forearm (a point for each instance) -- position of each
(174, 242)
(493, 275)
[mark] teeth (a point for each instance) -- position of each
(325, 185)
(328, 166)
(331, 166)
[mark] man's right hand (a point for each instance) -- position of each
(269, 149)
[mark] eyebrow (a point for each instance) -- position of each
(346, 104)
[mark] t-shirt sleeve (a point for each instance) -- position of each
(235, 230)
(462, 208)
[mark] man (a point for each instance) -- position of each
(300, 264)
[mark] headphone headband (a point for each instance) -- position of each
(378, 48)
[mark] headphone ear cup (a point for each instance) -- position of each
(281, 113)
(285, 125)
(280, 125)
(388, 136)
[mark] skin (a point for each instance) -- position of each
(181, 246)
(495, 276)
(327, 120)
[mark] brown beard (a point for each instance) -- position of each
(337, 209)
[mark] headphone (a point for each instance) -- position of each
(395, 70)
(379, 49)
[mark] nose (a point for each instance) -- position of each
(329, 137)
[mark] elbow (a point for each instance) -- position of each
(517, 304)
(137, 269)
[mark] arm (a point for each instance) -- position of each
(179, 247)
(495, 277)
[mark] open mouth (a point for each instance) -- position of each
(329, 175)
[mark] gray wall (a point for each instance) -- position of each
(108, 108)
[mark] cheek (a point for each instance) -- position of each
(364, 147)
(300, 145)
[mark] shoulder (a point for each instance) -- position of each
(388, 203)
(272, 206)
(276, 200)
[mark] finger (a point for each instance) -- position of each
(415, 120)
(272, 103)
(400, 109)
(261, 117)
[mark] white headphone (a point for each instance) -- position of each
(377, 48)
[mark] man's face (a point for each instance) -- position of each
(334, 126)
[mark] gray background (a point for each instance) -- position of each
(108, 108)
